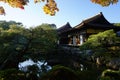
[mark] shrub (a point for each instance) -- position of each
(11, 74)
(60, 73)
(110, 75)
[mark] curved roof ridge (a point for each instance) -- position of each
(84, 21)
(66, 25)
(97, 19)
(95, 16)
(64, 28)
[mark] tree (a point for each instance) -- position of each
(50, 7)
(105, 2)
(117, 24)
(102, 39)
(12, 42)
(43, 40)
(18, 43)
(6, 25)
(104, 45)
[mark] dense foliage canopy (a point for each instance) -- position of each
(104, 45)
(117, 24)
(17, 42)
(102, 39)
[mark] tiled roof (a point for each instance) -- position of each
(98, 19)
(64, 28)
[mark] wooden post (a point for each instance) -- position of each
(74, 40)
(81, 39)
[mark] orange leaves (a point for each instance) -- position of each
(13, 3)
(17, 3)
(2, 11)
(36, 1)
(50, 7)
(105, 2)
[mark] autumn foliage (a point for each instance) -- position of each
(50, 6)
(2, 11)
(105, 2)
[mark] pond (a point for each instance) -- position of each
(23, 66)
(87, 70)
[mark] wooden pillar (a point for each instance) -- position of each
(58, 42)
(74, 40)
(81, 39)
(70, 41)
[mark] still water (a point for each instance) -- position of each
(23, 66)
(88, 71)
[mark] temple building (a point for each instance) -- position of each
(63, 39)
(77, 35)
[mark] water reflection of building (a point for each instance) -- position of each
(79, 34)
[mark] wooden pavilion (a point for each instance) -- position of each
(63, 39)
(79, 34)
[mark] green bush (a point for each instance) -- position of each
(60, 73)
(104, 45)
(110, 75)
(11, 74)
(105, 78)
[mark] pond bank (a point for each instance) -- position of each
(86, 70)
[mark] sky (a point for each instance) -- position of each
(72, 11)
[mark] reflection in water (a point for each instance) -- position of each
(88, 70)
(23, 66)
(82, 67)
